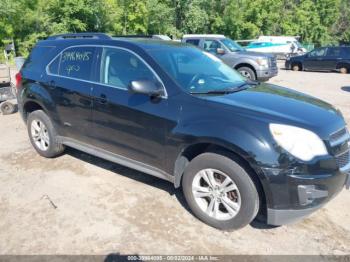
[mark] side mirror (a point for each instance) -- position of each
(220, 51)
(146, 87)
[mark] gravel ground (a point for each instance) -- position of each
(79, 204)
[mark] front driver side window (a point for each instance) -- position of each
(212, 46)
(119, 67)
(318, 52)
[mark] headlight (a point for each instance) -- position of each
(299, 142)
(262, 62)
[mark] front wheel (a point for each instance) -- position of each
(247, 72)
(343, 70)
(220, 192)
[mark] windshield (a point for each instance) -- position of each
(232, 45)
(196, 71)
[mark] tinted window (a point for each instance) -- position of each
(318, 52)
(54, 65)
(36, 58)
(76, 62)
(345, 51)
(333, 51)
(119, 67)
(193, 42)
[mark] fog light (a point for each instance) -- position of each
(308, 193)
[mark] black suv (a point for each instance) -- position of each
(238, 148)
(322, 59)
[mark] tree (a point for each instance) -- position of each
(317, 21)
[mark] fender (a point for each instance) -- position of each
(36, 92)
(223, 134)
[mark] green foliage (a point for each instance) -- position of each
(317, 21)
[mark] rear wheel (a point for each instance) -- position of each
(43, 135)
(247, 72)
(220, 192)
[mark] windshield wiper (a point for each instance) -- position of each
(220, 91)
(249, 83)
(235, 89)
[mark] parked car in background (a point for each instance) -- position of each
(252, 65)
(237, 148)
(333, 58)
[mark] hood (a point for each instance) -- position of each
(298, 56)
(283, 105)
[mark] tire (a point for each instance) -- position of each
(296, 67)
(343, 70)
(244, 198)
(43, 135)
(247, 72)
(7, 108)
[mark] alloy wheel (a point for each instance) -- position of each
(40, 135)
(246, 74)
(216, 194)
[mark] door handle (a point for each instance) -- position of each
(103, 99)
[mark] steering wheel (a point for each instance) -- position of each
(195, 79)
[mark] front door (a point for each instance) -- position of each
(127, 124)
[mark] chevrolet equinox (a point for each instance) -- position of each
(237, 148)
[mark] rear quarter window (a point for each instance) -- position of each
(346, 52)
(36, 60)
(194, 42)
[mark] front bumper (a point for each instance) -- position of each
(264, 75)
(302, 195)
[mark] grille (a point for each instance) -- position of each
(273, 62)
(343, 159)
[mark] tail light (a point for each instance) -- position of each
(18, 80)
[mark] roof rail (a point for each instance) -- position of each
(80, 36)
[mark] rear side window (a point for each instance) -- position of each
(193, 42)
(345, 52)
(333, 51)
(119, 67)
(36, 58)
(54, 65)
(75, 62)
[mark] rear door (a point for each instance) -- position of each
(70, 74)
(332, 58)
(315, 59)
